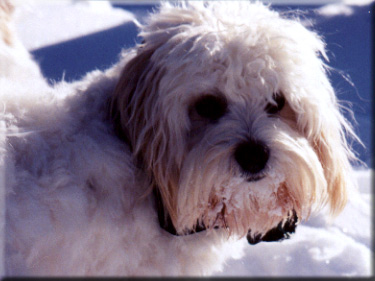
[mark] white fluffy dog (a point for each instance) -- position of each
(222, 124)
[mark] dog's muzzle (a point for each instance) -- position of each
(282, 231)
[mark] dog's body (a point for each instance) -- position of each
(74, 211)
(112, 175)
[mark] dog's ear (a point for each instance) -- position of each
(135, 110)
(335, 154)
(122, 104)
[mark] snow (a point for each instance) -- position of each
(64, 20)
(318, 248)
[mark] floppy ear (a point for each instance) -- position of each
(335, 155)
(126, 99)
(135, 89)
(135, 107)
(135, 110)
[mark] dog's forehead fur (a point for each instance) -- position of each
(251, 57)
(245, 55)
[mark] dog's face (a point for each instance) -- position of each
(230, 113)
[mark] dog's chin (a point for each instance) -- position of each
(282, 231)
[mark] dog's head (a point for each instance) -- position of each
(229, 111)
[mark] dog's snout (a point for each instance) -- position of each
(252, 156)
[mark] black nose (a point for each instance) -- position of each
(252, 156)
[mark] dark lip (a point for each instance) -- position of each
(255, 178)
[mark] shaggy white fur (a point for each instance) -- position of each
(181, 115)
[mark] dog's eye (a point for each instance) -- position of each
(211, 107)
(273, 108)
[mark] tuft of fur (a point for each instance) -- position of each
(82, 158)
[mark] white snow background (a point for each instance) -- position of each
(318, 248)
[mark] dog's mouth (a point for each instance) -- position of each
(282, 231)
(254, 178)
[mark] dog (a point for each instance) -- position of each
(221, 125)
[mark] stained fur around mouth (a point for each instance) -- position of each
(282, 231)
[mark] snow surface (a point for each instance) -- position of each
(318, 248)
(41, 23)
